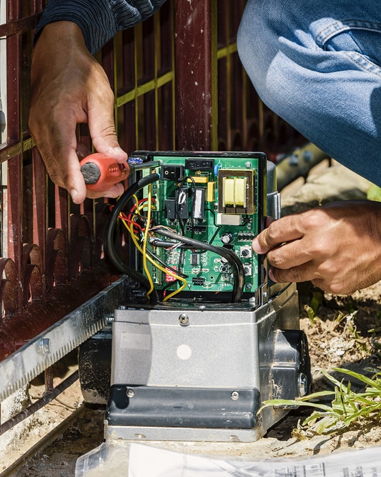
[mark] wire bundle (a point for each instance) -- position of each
(140, 227)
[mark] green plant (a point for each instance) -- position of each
(312, 308)
(346, 408)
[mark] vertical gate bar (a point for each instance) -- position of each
(166, 36)
(149, 73)
(136, 100)
(172, 65)
(128, 54)
(196, 75)
(48, 373)
(15, 213)
(223, 93)
(40, 205)
(157, 65)
(62, 212)
(13, 87)
(14, 196)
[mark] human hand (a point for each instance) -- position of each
(70, 87)
(337, 246)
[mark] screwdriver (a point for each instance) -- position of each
(101, 171)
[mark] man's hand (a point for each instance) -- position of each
(337, 246)
(70, 87)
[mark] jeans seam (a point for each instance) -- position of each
(364, 64)
(345, 25)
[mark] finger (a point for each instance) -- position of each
(101, 124)
(66, 168)
(303, 273)
(283, 230)
(112, 193)
(57, 145)
(291, 254)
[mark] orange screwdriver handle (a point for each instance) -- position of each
(101, 172)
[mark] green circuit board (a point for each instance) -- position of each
(213, 199)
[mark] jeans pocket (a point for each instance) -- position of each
(358, 39)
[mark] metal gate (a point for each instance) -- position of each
(178, 84)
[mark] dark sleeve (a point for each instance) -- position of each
(99, 20)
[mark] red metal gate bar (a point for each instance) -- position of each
(196, 75)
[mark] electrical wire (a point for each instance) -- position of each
(110, 229)
(145, 240)
(234, 261)
(145, 252)
(165, 269)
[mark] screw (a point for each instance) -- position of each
(43, 346)
(248, 286)
(235, 395)
(293, 160)
(248, 165)
(130, 393)
(184, 319)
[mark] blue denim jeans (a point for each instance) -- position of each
(317, 64)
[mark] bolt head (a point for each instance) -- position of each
(184, 319)
(235, 395)
(248, 165)
(130, 393)
(43, 346)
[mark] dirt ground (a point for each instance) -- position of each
(342, 332)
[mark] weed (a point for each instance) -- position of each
(347, 407)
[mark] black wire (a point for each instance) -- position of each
(234, 261)
(181, 259)
(215, 234)
(110, 227)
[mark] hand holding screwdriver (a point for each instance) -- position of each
(101, 171)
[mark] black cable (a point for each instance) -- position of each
(235, 263)
(110, 227)
(181, 259)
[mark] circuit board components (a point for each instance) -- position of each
(213, 203)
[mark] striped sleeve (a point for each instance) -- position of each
(99, 20)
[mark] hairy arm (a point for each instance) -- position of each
(69, 87)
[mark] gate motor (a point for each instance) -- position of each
(204, 337)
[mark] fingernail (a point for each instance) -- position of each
(73, 193)
(271, 275)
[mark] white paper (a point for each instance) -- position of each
(148, 461)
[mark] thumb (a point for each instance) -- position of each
(102, 129)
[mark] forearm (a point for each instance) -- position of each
(99, 20)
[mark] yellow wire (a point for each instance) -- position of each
(144, 252)
(154, 263)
